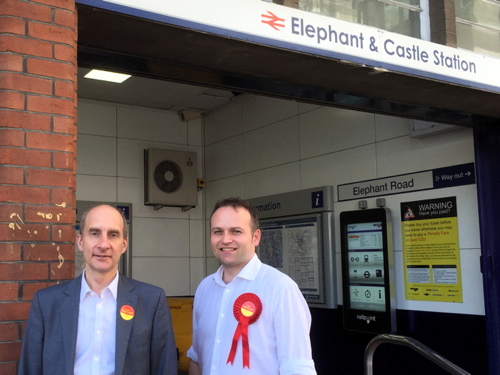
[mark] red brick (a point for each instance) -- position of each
(23, 194)
(65, 18)
(68, 250)
(12, 100)
(29, 290)
(23, 271)
(64, 4)
(65, 125)
(50, 141)
(25, 46)
(65, 89)
(23, 157)
(8, 368)
(65, 233)
(51, 33)
(9, 291)
(11, 175)
(62, 271)
(25, 232)
(49, 252)
(15, 217)
(11, 62)
(49, 177)
(26, 10)
(20, 82)
(64, 197)
(51, 68)
(12, 25)
(10, 251)
(65, 53)
(46, 104)
(15, 119)
(11, 137)
(49, 214)
(8, 211)
(63, 160)
(9, 332)
(10, 351)
(14, 311)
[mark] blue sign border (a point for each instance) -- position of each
(285, 45)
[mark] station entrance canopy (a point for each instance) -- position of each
(355, 66)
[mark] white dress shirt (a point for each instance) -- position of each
(96, 340)
(279, 340)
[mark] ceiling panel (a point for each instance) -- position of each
(152, 93)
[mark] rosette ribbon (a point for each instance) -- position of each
(246, 309)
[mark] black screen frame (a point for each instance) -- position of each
(368, 320)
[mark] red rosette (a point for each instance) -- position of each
(246, 309)
(247, 306)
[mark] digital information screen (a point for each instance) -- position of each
(367, 270)
(366, 266)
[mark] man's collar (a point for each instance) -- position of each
(113, 286)
(249, 272)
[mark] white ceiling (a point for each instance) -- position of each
(152, 93)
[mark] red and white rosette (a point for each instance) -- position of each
(246, 309)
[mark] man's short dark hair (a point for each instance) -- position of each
(239, 203)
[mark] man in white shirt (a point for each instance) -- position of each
(249, 318)
(100, 323)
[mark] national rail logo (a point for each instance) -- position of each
(273, 20)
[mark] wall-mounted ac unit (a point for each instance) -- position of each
(170, 178)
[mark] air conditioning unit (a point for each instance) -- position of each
(170, 178)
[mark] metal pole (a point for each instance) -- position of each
(413, 344)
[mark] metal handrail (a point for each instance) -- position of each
(413, 344)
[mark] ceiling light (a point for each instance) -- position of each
(103, 75)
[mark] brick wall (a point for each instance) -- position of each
(443, 22)
(37, 158)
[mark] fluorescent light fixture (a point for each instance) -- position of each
(103, 75)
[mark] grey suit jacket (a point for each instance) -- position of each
(145, 344)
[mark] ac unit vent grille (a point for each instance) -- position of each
(168, 176)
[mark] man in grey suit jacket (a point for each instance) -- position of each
(100, 322)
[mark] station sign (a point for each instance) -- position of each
(270, 24)
(439, 178)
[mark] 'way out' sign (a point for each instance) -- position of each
(457, 175)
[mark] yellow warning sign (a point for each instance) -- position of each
(431, 252)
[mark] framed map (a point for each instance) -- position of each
(293, 246)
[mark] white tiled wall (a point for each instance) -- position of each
(259, 146)
(167, 244)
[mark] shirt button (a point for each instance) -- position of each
(98, 332)
(96, 359)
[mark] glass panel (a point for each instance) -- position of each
(383, 14)
(478, 26)
(481, 12)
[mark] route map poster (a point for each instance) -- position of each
(431, 252)
(291, 246)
